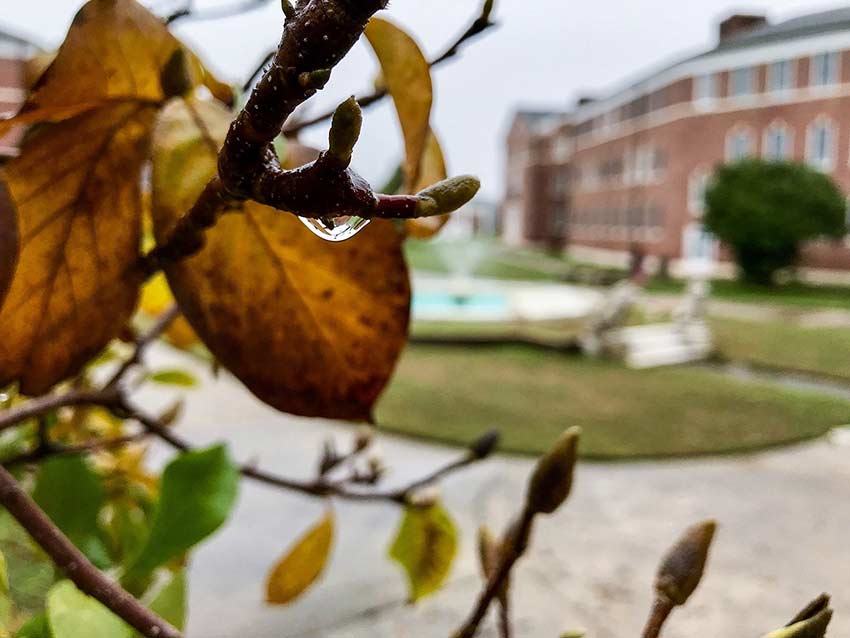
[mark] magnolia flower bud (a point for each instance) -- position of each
(552, 479)
(345, 130)
(363, 437)
(485, 445)
(682, 567)
(446, 196)
(812, 622)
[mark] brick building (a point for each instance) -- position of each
(626, 173)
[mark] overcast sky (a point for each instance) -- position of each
(545, 53)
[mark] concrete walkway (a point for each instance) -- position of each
(784, 538)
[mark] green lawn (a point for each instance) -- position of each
(794, 294)
(453, 394)
(775, 344)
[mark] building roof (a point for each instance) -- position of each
(541, 120)
(802, 26)
(808, 25)
(7, 36)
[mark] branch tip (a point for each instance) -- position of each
(345, 130)
(446, 196)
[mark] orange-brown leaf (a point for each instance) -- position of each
(75, 187)
(407, 76)
(115, 51)
(302, 564)
(312, 328)
(9, 247)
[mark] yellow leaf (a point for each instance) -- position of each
(407, 77)
(311, 328)
(156, 300)
(433, 170)
(75, 188)
(114, 51)
(302, 565)
(425, 547)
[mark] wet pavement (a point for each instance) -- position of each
(784, 537)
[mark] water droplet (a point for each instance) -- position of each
(336, 228)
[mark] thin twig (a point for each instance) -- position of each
(50, 402)
(481, 24)
(88, 578)
(320, 487)
(189, 12)
(511, 552)
(52, 449)
(143, 342)
(660, 612)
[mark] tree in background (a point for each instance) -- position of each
(764, 211)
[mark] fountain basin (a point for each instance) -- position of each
(494, 300)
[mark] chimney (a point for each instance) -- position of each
(740, 24)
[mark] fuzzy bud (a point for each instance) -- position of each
(363, 437)
(812, 622)
(552, 479)
(485, 445)
(446, 196)
(345, 130)
(682, 567)
(175, 78)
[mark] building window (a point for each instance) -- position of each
(698, 243)
(781, 76)
(705, 87)
(697, 187)
(824, 69)
(778, 143)
(739, 144)
(820, 145)
(742, 82)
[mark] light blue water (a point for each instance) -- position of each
(478, 302)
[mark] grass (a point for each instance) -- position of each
(795, 294)
(785, 345)
(453, 394)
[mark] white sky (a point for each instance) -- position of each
(545, 53)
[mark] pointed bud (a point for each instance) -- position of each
(446, 196)
(485, 445)
(345, 130)
(682, 567)
(363, 437)
(489, 554)
(175, 78)
(486, 10)
(314, 79)
(814, 627)
(288, 9)
(552, 480)
(170, 416)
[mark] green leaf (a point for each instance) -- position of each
(5, 601)
(72, 495)
(197, 493)
(35, 627)
(170, 602)
(302, 565)
(174, 377)
(72, 614)
(425, 547)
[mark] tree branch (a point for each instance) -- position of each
(189, 12)
(76, 566)
(478, 26)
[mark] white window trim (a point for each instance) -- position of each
(838, 71)
(753, 84)
(829, 164)
(794, 66)
(790, 140)
(729, 146)
(696, 203)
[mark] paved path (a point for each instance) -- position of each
(784, 538)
